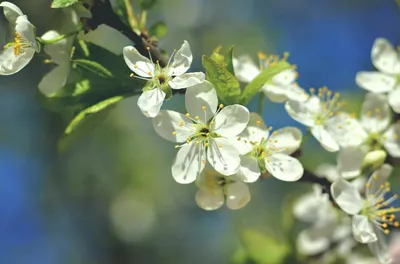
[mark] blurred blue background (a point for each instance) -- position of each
(110, 197)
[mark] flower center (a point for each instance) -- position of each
(18, 45)
(374, 141)
(329, 104)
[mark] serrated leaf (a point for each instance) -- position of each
(94, 67)
(226, 85)
(217, 57)
(262, 248)
(265, 76)
(90, 110)
(63, 3)
(159, 29)
(228, 60)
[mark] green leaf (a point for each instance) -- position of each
(265, 76)
(84, 48)
(159, 30)
(146, 4)
(262, 248)
(63, 3)
(217, 57)
(228, 60)
(226, 85)
(90, 110)
(94, 67)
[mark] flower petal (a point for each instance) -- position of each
(275, 93)
(182, 60)
(375, 82)
(255, 132)
(26, 30)
(324, 138)
(208, 200)
(245, 69)
(189, 163)
(199, 96)
(151, 101)
(173, 126)
(346, 130)
(10, 64)
(223, 156)
(327, 171)
(375, 113)
(231, 120)
(311, 243)
(384, 56)
(187, 80)
(284, 167)
(285, 77)
(394, 99)
(373, 190)
(306, 208)
(304, 112)
(249, 169)
(391, 140)
(11, 11)
(346, 196)
(349, 162)
(380, 249)
(56, 79)
(237, 195)
(139, 64)
(59, 52)
(285, 140)
(363, 230)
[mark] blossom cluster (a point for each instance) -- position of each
(224, 148)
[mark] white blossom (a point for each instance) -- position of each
(19, 52)
(386, 80)
(208, 132)
(161, 79)
(283, 85)
(264, 151)
(373, 215)
(215, 189)
(316, 113)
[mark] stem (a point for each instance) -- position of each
(261, 101)
(131, 15)
(57, 39)
(306, 138)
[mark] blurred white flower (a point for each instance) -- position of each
(373, 215)
(283, 85)
(208, 131)
(19, 52)
(372, 131)
(316, 113)
(161, 80)
(215, 189)
(264, 152)
(386, 80)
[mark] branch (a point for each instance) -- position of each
(102, 13)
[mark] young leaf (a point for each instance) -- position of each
(63, 3)
(90, 110)
(265, 76)
(217, 57)
(94, 67)
(227, 86)
(228, 59)
(146, 4)
(158, 30)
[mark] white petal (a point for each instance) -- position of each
(346, 196)
(167, 122)
(208, 200)
(310, 243)
(187, 80)
(275, 93)
(245, 69)
(285, 77)
(139, 64)
(59, 52)
(324, 138)
(26, 30)
(391, 140)
(53, 81)
(394, 99)
(380, 249)
(255, 132)
(363, 230)
(11, 11)
(284, 167)
(294, 92)
(10, 64)
(349, 162)
(231, 120)
(307, 206)
(377, 179)
(249, 169)
(384, 57)
(375, 113)
(110, 39)
(304, 112)
(285, 140)
(375, 82)
(328, 171)
(189, 163)
(182, 60)
(202, 94)
(237, 195)
(223, 156)
(346, 130)
(151, 101)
